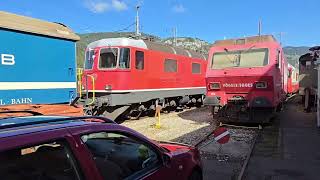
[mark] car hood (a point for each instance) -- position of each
(175, 147)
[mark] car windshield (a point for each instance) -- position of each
(240, 58)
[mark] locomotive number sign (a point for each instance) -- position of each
(235, 85)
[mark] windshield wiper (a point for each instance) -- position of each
(250, 48)
(112, 50)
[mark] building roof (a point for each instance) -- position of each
(36, 26)
(145, 44)
(245, 40)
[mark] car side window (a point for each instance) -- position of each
(119, 156)
(52, 161)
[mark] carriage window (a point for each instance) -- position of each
(196, 68)
(119, 156)
(88, 64)
(124, 61)
(139, 60)
(45, 161)
(108, 58)
(170, 65)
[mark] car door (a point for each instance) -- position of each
(122, 155)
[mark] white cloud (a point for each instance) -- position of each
(119, 5)
(101, 6)
(97, 6)
(178, 8)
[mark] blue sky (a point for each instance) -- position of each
(210, 20)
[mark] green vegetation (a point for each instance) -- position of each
(292, 53)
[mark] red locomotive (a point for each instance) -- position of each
(124, 76)
(293, 79)
(246, 78)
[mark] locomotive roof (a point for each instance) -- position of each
(36, 26)
(245, 40)
(145, 44)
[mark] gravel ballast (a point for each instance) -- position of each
(189, 126)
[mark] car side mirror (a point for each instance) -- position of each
(166, 158)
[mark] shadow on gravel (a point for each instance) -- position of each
(193, 138)
(198, 115)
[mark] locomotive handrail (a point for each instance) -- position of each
(79, 76)
(93, 89)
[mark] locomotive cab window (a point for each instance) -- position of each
(139, 60)
(170, 65)
(196, 68)
(289, 73)
(279, 59)
(124, 60)
(88, 64)
(108, 58)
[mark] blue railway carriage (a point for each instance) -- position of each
(38, 61)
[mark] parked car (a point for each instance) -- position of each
(70, 148)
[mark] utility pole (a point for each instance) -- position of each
(137, 22)
(280, 37)
(174, 31)
(259, 27)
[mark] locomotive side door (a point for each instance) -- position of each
(279, 81)
(285, 73)
(139, 68)
(282, 88)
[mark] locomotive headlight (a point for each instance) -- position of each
(108, 87)
(261, 85)
(215, 85)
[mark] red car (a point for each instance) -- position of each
(69, 148)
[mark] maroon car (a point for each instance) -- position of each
(68, 148)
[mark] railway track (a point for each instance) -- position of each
(234, 156)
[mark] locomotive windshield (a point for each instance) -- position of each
(108, 58)
(240, 58)
(111, 58)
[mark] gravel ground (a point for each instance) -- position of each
(227, 162)
(188, 126)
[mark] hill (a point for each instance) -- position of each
(196, 44)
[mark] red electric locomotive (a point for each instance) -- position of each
(124, 76)
(293, 82)
(246, 78)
